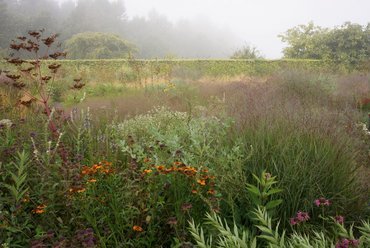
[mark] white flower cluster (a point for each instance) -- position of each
(6, 122)
(364, 128)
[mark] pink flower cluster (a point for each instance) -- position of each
(322, 202)
(299, 218)
(346, 243)
(339, 219)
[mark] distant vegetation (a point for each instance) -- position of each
(347, 44)
(154, 36)
(91, 45)
(247, 52)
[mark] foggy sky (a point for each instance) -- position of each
(257, 22)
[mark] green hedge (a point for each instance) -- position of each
(138, 70)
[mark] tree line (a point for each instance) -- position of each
(100, 29)
(148, 37)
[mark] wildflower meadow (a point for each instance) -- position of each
(274, 156)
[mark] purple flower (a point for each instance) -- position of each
(339, 219)
(322, 202)
(344, 243)
(354, 242)
(302, 216)
(293, 221)
(347, 243)
(299, 218)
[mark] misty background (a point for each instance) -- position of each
(182, 29)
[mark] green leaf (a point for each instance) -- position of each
(273, 204)
(273, 191)
(253, 190)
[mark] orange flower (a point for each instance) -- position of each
(211, 191)
(81, 190)
(106, 163)
(92, 180)
(85, 170)
(194, 191)
(137, 228)
(147, 171)
(96, 167)
(177, 163)
(201, 182)
(107, 171)
(160, 167)
(39, 209)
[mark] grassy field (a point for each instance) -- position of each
(171, 153)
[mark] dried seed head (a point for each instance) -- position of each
(48, 41)
(14, 77)
(15, 61)
(16, 46)
(78, 86)
(54, 66)
(56, 55)
(34, 34)
(46, 78)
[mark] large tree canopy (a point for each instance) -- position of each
(348, 44)
(91, 45)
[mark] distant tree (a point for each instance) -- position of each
(90, 45)
(247, 52)
(304, 41)
(347, 44)
(96, 16)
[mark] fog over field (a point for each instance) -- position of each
(257, 22)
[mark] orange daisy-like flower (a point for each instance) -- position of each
(137, 228)
(106, 163)
(160, 167)
(85, 170)
(97, 167)
(81, 190)
(211, 191)
(147, 171)
(39, 209)
(107, 171)
(92, 180)
(201, 182)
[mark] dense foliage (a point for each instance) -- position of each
(97, 46)
(348, 44)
